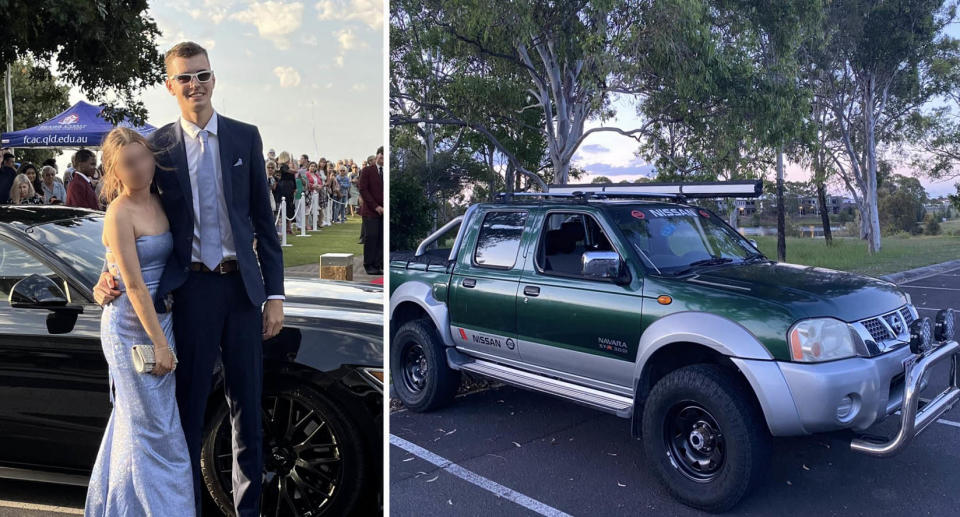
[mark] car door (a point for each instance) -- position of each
(54, 400)
(483, 288)
(577, 326)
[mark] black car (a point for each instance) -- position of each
(323, 390)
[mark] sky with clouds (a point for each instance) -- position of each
(308, 74)
(614, 155)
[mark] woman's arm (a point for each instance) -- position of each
(121, 237)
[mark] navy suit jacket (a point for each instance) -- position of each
(248, 205)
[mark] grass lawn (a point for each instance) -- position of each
(850, 254)
(338, 238)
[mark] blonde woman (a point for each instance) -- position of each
(23, 193)
(143, 466)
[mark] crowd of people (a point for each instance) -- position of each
(337, 184)
(29, 184)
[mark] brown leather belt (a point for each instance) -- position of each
(227, 266)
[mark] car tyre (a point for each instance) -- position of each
(421, 377)
(320, 465)
(705, 437)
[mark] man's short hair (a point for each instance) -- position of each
(380, 150)
(304, 157)
(50, 162)
(185, 49)
(81, 156)
(7, 156)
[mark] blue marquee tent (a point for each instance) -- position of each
(78, 126)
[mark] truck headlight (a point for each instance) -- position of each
(821, 339)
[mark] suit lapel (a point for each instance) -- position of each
(226, 166)
(179, 155)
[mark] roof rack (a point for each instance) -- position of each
(699, 189)
(679, 192)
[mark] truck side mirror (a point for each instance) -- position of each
(605, 265)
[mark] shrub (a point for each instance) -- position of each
(932, 225)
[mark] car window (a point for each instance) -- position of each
(564, 239)
(15, 265)
(499, 239)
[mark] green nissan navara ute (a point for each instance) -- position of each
(627, 299)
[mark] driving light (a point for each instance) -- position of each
(921, 336)
(821, 339)
(944, 329)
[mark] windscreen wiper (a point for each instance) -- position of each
(712, 261)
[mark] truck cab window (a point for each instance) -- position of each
(499, 239)
(564, 240)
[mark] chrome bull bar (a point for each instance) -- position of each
(912, 420)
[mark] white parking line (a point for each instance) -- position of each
(476, 479)
(41, 507)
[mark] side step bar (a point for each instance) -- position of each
(597, 399)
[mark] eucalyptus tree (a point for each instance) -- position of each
(882, 65)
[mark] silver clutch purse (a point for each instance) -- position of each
(144, 360)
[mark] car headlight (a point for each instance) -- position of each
(821, 339)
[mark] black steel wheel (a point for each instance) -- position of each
(313, 461)
(421, 377)
(414, 368)
(705, 436)
(693, 441)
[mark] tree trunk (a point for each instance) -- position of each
(781, 209)
(824, 212)
(872, 223)
(732, 216)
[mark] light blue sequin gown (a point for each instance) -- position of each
(143, 467)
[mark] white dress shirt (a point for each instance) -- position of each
(193, 147)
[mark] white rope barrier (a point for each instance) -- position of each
(315, 210)
(281, 229)
(301, 216)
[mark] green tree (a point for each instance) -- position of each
(601, 179)
(107, 48)
(37, 96)
(409, 212)
(883, 63)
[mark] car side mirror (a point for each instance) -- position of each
(605, 265)
(37, 292)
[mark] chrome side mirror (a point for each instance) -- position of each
(605, 265)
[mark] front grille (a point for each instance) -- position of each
(907, 315)
(877, 330)
(890, 326)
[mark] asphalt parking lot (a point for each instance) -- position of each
(506, 451)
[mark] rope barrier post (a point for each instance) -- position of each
(314, 210)
(283, 222)
(302, 216)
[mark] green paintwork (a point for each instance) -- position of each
(765, 298)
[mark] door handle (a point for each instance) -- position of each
(469, 282)
(531, 290)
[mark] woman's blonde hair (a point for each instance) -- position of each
(20, 179)
(112, 147)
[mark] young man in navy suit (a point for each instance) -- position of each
(210, 172)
